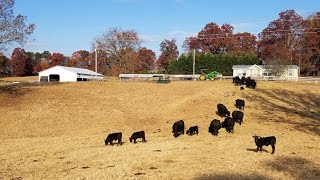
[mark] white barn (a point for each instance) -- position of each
(262, 71)
(68, 74)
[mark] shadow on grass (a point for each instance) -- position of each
(255, 150)
(232, 176)
(292, 167)
(20, 89)
(297, 167)
(304, 104)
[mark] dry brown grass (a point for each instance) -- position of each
(57, 131)
(20, 79)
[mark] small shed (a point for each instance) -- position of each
(68, 74)
(264, 71)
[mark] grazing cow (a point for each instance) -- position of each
(237, 116)
(193, 130)
(236, 80)
(243, 80)
(223, 111)
(114, 137)
(228, 123)
(137, 135)
(178, 128)
(265, 141)
(241, 88)
(214, 127)
(240, 104)
(250, 83)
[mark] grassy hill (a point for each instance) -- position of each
(57, 131)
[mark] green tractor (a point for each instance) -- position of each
(212, 75)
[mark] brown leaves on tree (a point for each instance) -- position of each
(281, 38)
(121, 48)
(169, 52)
(215, 39)
(147, 59)
(80, 59)
(311, 42)
(19, 62)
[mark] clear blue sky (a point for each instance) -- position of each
(66, 26)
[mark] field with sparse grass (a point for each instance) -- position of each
(57, 131)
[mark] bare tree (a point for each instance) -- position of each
(276, 67)
(121, 48)
(12, 28)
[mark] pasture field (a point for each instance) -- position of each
(57, 131)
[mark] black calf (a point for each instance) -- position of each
(265, 141)
(240, 104)
(114, 137)
(193, 130)
(137, 135)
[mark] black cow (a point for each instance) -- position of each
(243, 80)
(265, 141)
(214, 127)
(241, 88)
(222, 110)
(114, 137)
(250, 83)
(248, 79)
(193, 130)
(240, 104)
(137, 135)
(237, 116)
(236, 80)
(178, 128)
(228, 123)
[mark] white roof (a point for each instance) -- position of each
(261, 66)
(76, 70)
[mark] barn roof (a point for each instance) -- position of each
(76, 70)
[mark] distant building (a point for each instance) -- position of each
(68, 74)
(264, 71)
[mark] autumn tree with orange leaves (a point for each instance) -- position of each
(281, 40)
(121, 48)
(80, 59)
(147, 59)
(169, 52)
(19, 62)
(220, 39)
(311, 45)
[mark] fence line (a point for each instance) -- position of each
(153, 77)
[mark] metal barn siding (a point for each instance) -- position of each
(68, 74)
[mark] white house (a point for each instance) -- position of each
(68, 74)
(263, 71)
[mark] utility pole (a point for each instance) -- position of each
(194, 62)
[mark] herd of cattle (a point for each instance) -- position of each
(215, 125)
(250, 83)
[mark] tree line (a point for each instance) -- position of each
(290, 39)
